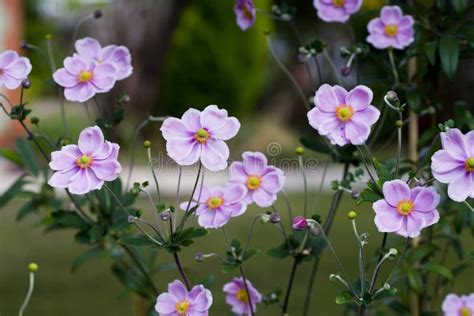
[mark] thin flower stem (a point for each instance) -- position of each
(398, 261)
(28, 294)
(46, 137)
(249, 235)
(288, 74)
(362, 156)
(327, 224)
(152, 169)
(182, 222)
(284, 309)
(333, 67)
(246, 289)
(288, 204)
(300, 40)
(361, 258)
(181, 271)
(393, 66)
(305, 185)
(145, 232)
(88, 112)
(76, 30)
(153, 209)
(379, 261)
(469, 206)
(178, 188)
(49, 53)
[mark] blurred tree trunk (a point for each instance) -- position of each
(146, 27)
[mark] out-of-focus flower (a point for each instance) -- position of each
(218, 205)
(200, 135)
(90, 49)
(13, 69)
(391, 29)
(178, 301)
(343, 117)
(262, 181)
(406, 211)
(300, 223)
(454, 164)
(84, 167)
(82, 78)
(238, 298)
(336, 10)
(245, 14)
(454, 305)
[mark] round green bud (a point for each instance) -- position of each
(387, 287)
(33, 267)
(399, 123)
(299, 150)
(393, 252)
(352, 215)
(147, 144)
(34, 120)
(48, 36)
(65, 141)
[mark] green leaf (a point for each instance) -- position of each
(415, 281)
(249, 254)
(68, 219)
(279, 252)
(459, 5)
(91, 253)
(414, 99)
(439, 269)
(449, 54)
(430, 51)
(28, 156)
(26, 209)
(11, 155)
(344, 298)
(12, 191)
(383, 172)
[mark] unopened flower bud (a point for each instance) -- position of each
(345, 71)
(399, 123)
(199, 257)
(333, 277)
(275, 218)
(393, 252)
(97, 14)
(315, 231)
(165, 215)
(355, 193)
(300, 223)
(306, 252)
(24, 44)
(48, 36)
(65, 141)
(34, 120)
(392, 97)
(26, 84)
(33, 267)
(264, 218)
(352, 215)
(124, 99)
(131, 219)
(147, 144)
(387, 287)
(299, 150)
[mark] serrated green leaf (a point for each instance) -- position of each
(449, 54)
(344, 298)
(439, 269)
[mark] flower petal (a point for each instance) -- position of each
(234, 192)
(106, 170)
(229, 129)
(391, 15)
(74, 65)
(173, 128)
(326, 99)
(88, 48)
(62, 180)
(19, 68)
(389, 222)
(395, 191)
(178, 290)
(453, 142)
(7, 57)
(63, 78)
(79, 93)
(426, 200)
(104, 76)
(237, 172)
(263, 198)
(214, 155)
(323, 122)
(237, 209)
(368, 116)
(356, 133)
(192, 119)
(273, 182)
(255, 163)
(212, 117)
(165, 304)
(359, 98)
(460, 188)
(90, 139)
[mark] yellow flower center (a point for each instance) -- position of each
(253, 182)
(84, 161)
(85, 76)
(242, 296)
(344, 112)
(182, 307)
(465, 311)
(215, 202)
(391, 30)
(470, 164)
(202, 136)
(338, 3)
(404, 207)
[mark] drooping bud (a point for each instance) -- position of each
(299, 150)
(345, 71)
(275, 218)
(399, 123)
(199, 257)
(387, 287)
(131, 219)
(393, 252)
(392, 97)
(26, 84)
(34, 120)
(300, 223)
(165, 215)
(97, 14)
(352, 215)
(315, 231)
(355, 193)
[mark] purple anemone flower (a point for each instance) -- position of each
(406, 211)
(336, 10)
(178, 301)
(200, 135)
(238, 298)
(245, 14)
(13, 69)
(343, 117)
(262, 181)
(90, 49)
(82, 78)
(391, 29)
(454, 164)
(84, 167)
(218, 205)
(454, 305)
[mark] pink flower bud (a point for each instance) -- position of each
(300, 223)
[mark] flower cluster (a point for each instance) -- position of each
(454, 305)
(336, 10)
(92, 69)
